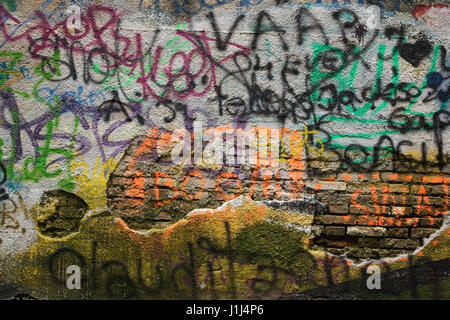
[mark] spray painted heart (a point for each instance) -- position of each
(415, 53)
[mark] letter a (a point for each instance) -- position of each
(74, 281)
(374, 281)
(74, 20)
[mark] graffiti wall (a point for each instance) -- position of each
(245, 149)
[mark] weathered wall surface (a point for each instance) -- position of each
(224, 149)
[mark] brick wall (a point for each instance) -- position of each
(370, 214)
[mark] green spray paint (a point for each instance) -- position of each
(11, 4)
(40, 168)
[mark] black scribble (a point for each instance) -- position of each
(360, 32)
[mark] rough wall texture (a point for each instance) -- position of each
(224, 149)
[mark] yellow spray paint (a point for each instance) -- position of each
(91, 186)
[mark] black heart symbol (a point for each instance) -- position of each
(414, 53)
